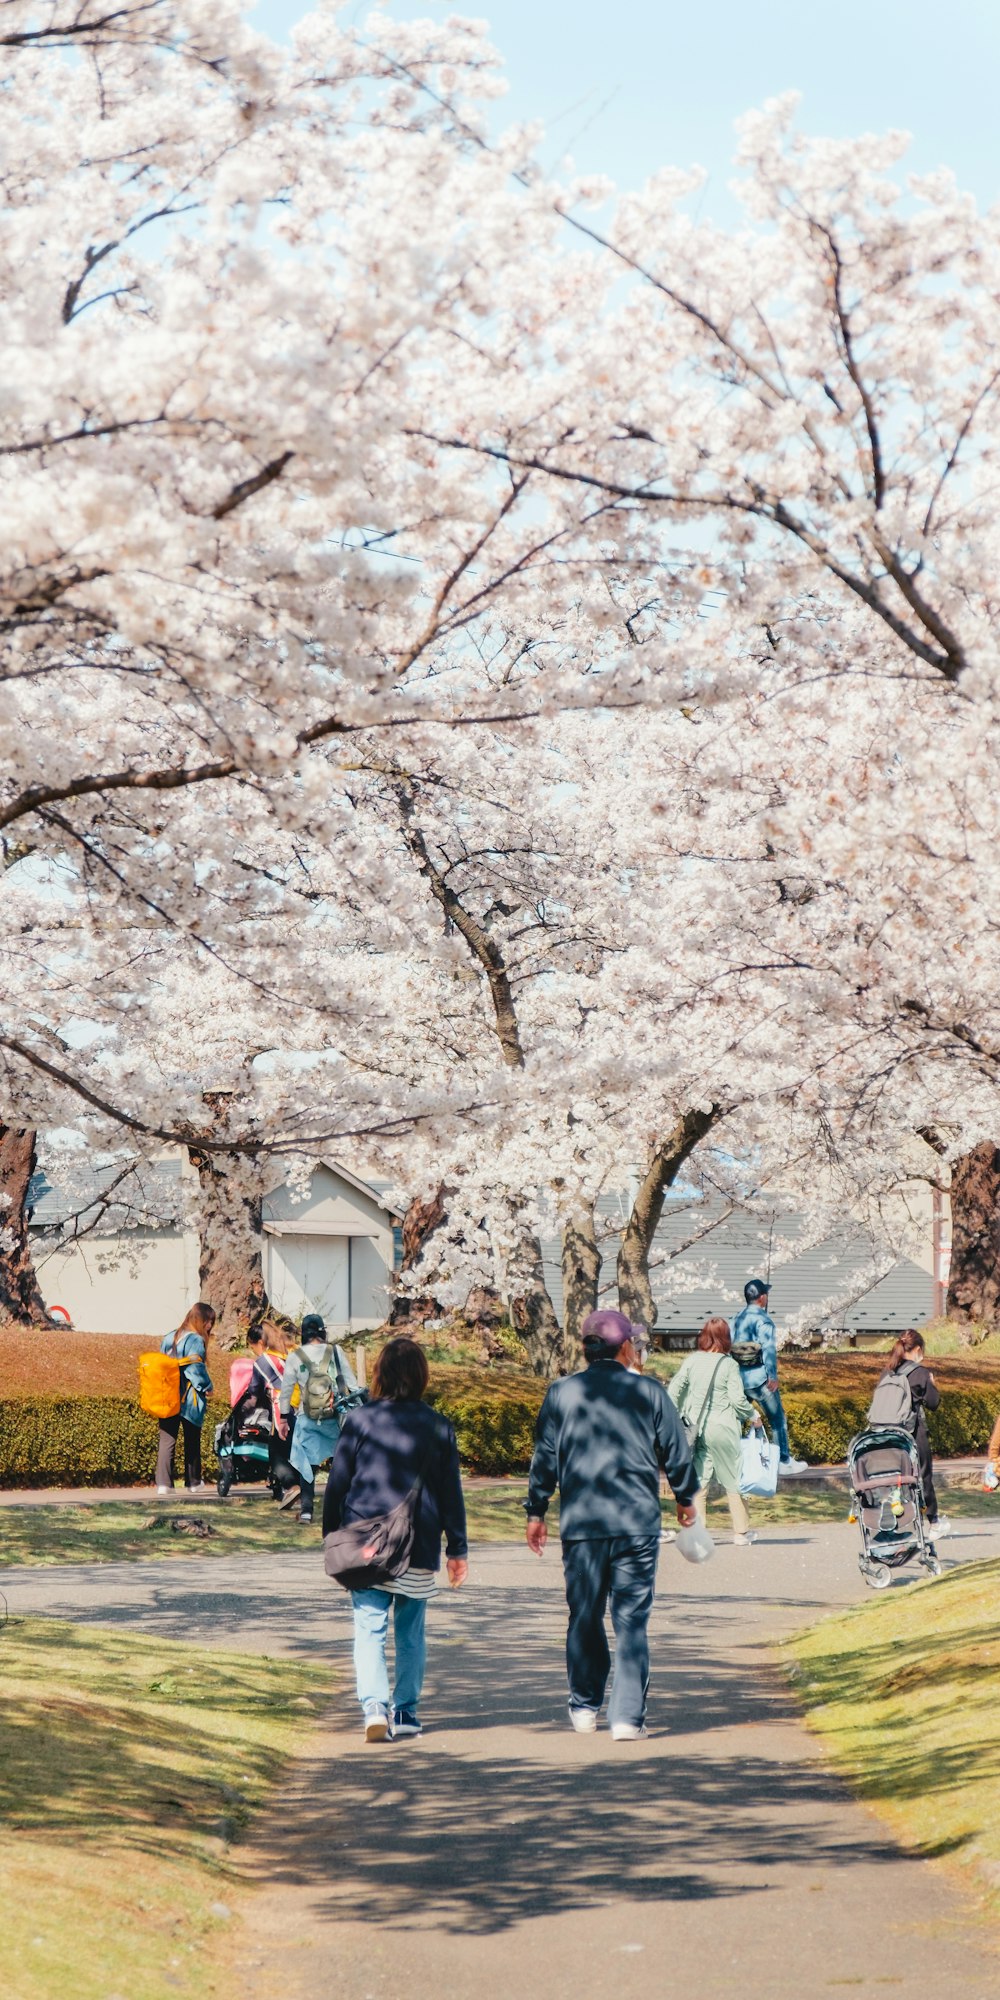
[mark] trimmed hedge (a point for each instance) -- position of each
(820, 1427)
(86, 1441)
(109, 1441)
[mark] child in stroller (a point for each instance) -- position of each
(884, 1471)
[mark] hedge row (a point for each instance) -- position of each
(86, 1441)
(820, 1426)
(109, 1441)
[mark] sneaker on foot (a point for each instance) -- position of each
(404, 1723)
(742, 1541)
(939, 1529)
(163, 1491)
(376, 1722)
(668, 1535)
(627, 1732)
(290, 1495)
(786, 1465)
(584, 1720)
(305, 1520)
(198, 1487)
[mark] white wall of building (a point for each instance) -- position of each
(140, 1283)
(331, 1253)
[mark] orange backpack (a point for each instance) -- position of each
(160, 1383)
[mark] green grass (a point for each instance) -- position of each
(128, 1768)
(902, 1693)
(121, 1531)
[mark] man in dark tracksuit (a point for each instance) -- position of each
(602, 1438)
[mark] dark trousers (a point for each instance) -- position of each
(169, 1427)
(926, 1473)
(621, 1572)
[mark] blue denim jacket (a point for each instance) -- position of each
(753, 1323)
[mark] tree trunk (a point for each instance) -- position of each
(21, 1302)
(581, 1270)
(974, 1277)
(532, 1312)
(420, 1221)
(635, 1295)
(230, 1267)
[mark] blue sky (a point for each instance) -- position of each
(633, 86)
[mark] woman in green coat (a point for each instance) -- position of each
(708, 1391)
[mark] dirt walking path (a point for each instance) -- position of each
(502, 1857)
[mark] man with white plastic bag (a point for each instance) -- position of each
(602, 1437)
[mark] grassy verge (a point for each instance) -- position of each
(901, 1691)
(123, 1531)
(127, 1769)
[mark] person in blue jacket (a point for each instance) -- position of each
(190, 1344)
(761, 1382)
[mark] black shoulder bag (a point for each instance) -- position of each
(365, 1555)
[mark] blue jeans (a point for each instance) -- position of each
(622, 1572)
(774, 1410)
(371, 1630)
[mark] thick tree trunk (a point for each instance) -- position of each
(581, 1270)
(532, 1312)
(635, 1295)
(21, 1302)
(974, 1278)
(230, 1267)
(420, 1221)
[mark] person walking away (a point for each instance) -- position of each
(266, 1347)
(907, 1359)
(319, 1370)
(386, 1447)
(190, 1344)
(760, 1381)
(708, 1394)
(602, 1437)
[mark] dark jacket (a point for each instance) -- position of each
(379, 1454)
(602, 1438)
(924, 1393)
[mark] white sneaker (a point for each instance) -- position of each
(743, 1541)
(786, 1465)
(668, 1535)
(938, 1530)
(376, 1722)
(164, 1491)
(627, 1732)
(584, 1720)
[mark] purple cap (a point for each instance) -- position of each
(611, 1327)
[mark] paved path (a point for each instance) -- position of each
(502, 1857)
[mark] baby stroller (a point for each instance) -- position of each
(243, 1441)
(884, 1472)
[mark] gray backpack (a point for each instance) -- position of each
(892, 1404)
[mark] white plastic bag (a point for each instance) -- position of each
(759, 1465)
(695, 1544)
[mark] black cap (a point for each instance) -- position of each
(313, 1327)
(755, 1288)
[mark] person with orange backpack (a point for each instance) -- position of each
(187, 1348)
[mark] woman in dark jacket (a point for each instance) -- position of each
(383, 1449)
(908, 1354)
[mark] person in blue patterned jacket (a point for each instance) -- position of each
(760, 1382)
